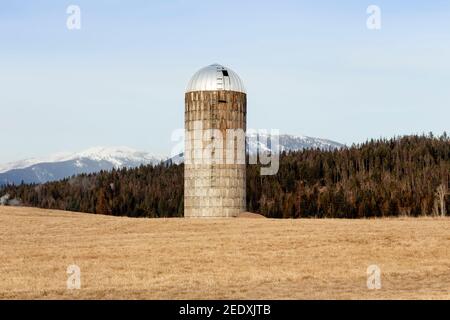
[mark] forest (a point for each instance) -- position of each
(402, 176)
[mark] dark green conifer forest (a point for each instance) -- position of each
(379, 178)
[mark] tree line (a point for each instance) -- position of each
(403, 176)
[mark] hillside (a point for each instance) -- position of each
(220, 259)
(396, 177)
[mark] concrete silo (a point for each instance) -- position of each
(214, 174)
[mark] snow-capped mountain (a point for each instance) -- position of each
(289, 142)
(63, 165)
(286, 142)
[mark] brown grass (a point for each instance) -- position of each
(221, 259)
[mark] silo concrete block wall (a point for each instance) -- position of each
(214, 189)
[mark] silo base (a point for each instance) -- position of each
(212, 213)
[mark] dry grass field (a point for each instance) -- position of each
(124, 258)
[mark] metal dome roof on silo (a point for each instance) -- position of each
(215, 77)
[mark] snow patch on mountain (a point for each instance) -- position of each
(286, 142)
(60, 166)
(117, 156)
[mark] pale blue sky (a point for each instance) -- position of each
(309, 68)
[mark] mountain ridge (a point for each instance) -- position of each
(63, 165)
